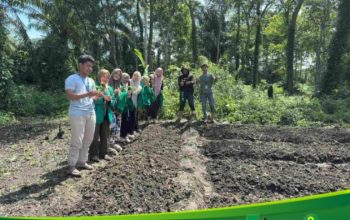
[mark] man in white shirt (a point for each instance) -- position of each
(80, 90)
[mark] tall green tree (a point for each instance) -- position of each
(5, 62)
(338, 47)
(290, 47)
(192, 6)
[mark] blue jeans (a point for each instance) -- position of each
(204, 98)
(186, 96)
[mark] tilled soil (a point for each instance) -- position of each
(253, 164)
(170, 168)
(140, 179)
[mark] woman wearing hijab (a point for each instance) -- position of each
(157, 86)
(115, 82)
(135, 84)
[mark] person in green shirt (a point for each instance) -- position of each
(104, 116)
(146, 97)
(126, 108)
(115, 82)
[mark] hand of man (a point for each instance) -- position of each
(92, 93)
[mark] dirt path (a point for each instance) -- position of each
(170, 168)
(193, 176)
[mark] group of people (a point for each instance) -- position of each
(109, 107)
(187, 82)
(112, 106)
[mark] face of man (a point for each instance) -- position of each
(204, 69)
(185, 72)
(85, 68)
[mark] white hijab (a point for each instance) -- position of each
(136, 85)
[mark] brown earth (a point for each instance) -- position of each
(169, 168)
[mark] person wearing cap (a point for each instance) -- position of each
(80, 90)
(206, 81)
(186, 83)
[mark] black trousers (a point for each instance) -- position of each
(99, 144)
(127, 123)
(186, 96)
(153, 110)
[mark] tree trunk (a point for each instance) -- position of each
(290, 47)
(150, 38)
(238, 35)
(193, 32)
(219, 35)
(320, 45)
(145, 15)
(159, 52)
(246, 47)
(113, 49)
(167, 50)
(139, 19)
(338, 47)
(257, 45)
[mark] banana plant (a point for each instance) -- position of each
(143, 63)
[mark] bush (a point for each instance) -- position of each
(236, 101)
(28, 101)
(6, 118)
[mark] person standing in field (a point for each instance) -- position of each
(126, 109)
(157, 85)
(206, 81)
(146, 97)
(186, 83)
(104, 115)
(135, 84)
(80, 90)
(115, 82)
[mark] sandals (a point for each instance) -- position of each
(74, 172)
(85, 166)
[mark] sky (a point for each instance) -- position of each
(36, 34)
(32, 32)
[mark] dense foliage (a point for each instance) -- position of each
(301, 47)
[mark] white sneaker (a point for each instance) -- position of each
(112, 151)
(125, 140)
(117, 147)
(131, 136)
(137, 133)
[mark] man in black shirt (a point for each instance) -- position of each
(186, 83)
